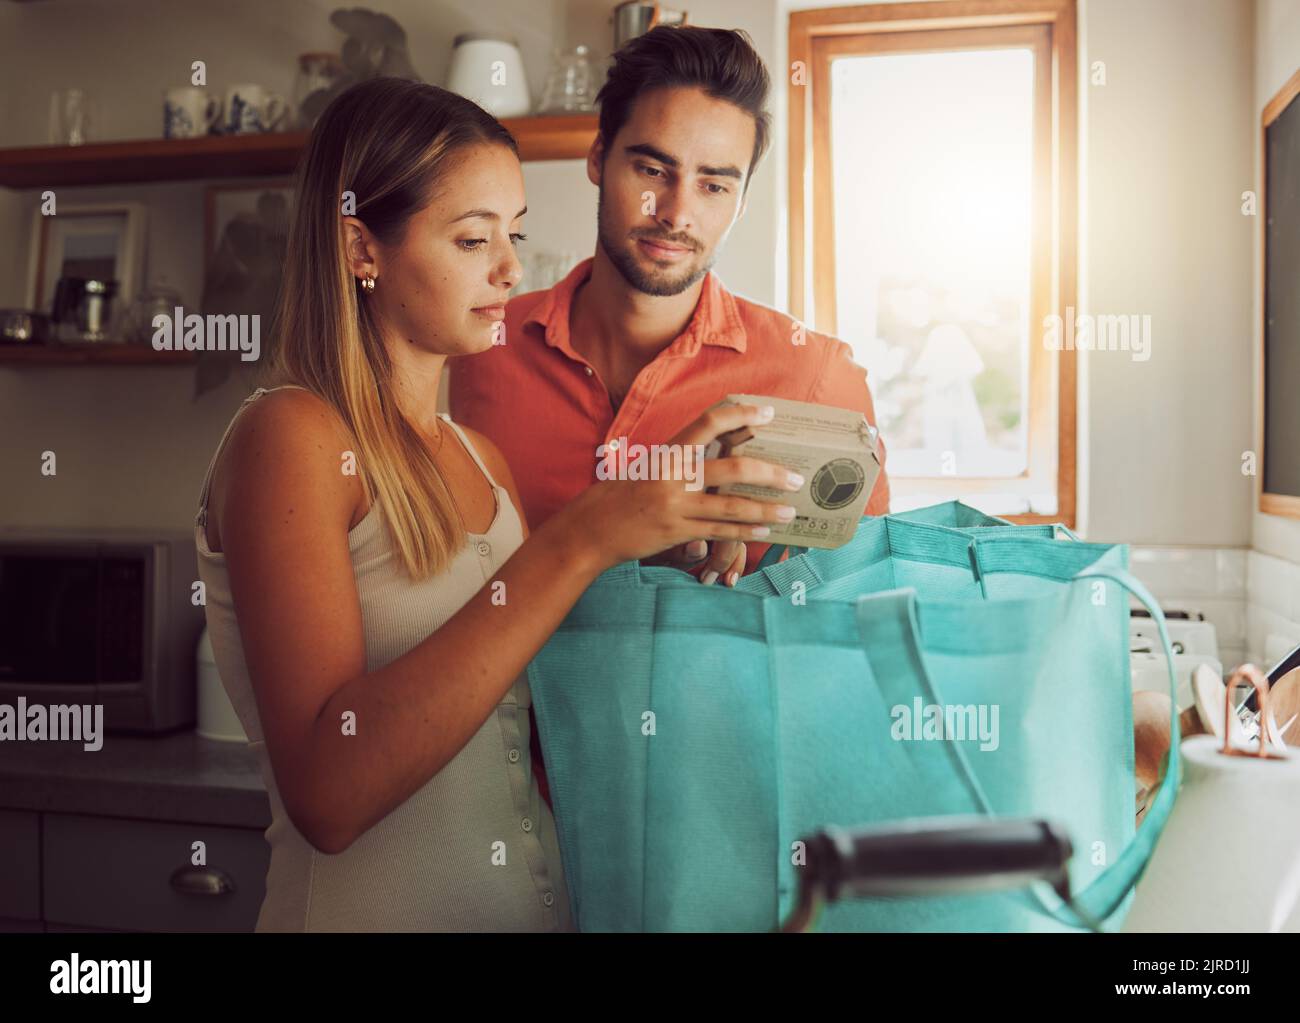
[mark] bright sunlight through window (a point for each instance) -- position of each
(933, 168)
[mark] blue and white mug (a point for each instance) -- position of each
(188, 112)
(251, 109)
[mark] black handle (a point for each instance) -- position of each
(1284, 667)
(934, 856)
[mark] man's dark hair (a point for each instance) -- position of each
(722, 62)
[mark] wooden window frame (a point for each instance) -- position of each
(1286, 505)
(1048, 27)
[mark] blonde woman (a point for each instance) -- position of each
(373, 594)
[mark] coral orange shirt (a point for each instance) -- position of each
(546, 408)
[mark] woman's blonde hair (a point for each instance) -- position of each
(386, 142)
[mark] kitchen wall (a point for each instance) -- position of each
(1167, 152)
(1167, 147)
(132, 443)
(130, 50)
(1211, 580)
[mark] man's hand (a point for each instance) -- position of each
(726, 560)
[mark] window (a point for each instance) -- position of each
(933, 228)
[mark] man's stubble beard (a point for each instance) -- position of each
(654, 283)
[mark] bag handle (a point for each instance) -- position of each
(772, 555)
(1101, 898)
(876, 537)
(911, 528)
(953, 514)
(887, 624)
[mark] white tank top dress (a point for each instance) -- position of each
(433, 864)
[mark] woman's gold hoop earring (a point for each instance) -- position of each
(369, 282)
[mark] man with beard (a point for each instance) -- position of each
(636, 342)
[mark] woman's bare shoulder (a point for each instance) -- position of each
(295, 413)
(287, 442)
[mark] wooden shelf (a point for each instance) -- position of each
(106, 353)
(235, 156)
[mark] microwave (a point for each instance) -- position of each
(103, 617)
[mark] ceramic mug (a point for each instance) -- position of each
(251, 109)
(188, 112)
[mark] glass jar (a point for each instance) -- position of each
(568, 85)
(157, 299)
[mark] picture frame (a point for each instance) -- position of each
(105, 240)
(245, 232)
(222, 203)
(1277, 425)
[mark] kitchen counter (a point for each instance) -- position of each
(177, 777)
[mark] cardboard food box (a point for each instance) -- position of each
(833, 449)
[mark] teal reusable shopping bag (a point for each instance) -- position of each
(694, 734)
